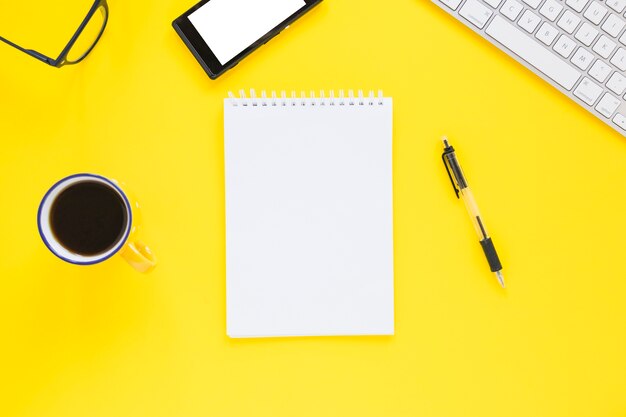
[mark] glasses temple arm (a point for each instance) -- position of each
(31, 52)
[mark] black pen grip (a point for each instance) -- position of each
(491, 254)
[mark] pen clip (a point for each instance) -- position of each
(447, 151)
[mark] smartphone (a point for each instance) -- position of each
(220, 33)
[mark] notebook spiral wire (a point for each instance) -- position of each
(282, 100)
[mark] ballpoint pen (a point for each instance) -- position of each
(463, 191)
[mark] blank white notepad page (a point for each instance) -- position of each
(309, 236)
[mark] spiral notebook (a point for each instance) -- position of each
(309, 236)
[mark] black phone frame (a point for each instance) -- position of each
(202, 52)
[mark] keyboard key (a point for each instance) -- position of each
(613, 25)
(564, 46)
(620, 120)
(604, 46)
(617, 83)
(617, 5)
(600, 70)
(546, 34)
(533, 53)
(619, 59)
(476, 13)
(607, 105)
(588, 91)
(529, 21)
(586, 34)
(569, 21)
(577, 5)
(493, 3)
(582, 58)
(622, 39)
(533, 3)
(595, 12)
(453, 4)
(551, 9)
(511, 9)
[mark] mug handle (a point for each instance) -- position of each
(139, 256)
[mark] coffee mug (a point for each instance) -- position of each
(85, 219)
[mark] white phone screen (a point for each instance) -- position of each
(230, 26)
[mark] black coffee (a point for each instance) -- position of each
(88, 218)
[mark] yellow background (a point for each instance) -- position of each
(106, 341)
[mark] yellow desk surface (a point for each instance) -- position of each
(106, 341)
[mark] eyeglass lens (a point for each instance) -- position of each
(88, 37)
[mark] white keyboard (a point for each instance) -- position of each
(578, 46)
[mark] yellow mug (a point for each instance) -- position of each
(85, 219)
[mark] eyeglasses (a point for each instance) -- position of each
(85, 38)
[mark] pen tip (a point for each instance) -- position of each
(445, 141)
(500, 278)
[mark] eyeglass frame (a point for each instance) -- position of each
(62, 59)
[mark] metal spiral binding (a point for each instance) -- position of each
(274, 100)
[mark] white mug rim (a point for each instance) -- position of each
(92, 259)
